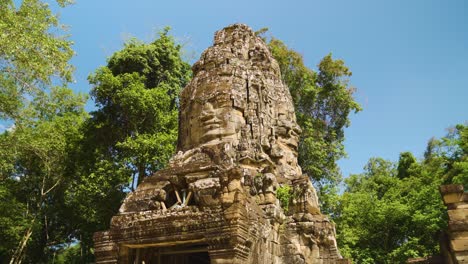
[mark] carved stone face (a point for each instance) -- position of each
(212, 118)
(219, 122)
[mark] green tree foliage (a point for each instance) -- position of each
(34, 159)
(32, 53)
(393, 212)
(69, 255)
(64, 173)
(404, 164)
(137, 94)
(283, 193)
(132, 133)
(323, 101)
(449, 155)
(459, 171)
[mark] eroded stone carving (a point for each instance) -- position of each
(238, 140)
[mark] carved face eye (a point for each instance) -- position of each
(223, 100)
(207, 110)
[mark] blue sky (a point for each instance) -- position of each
(409, 58)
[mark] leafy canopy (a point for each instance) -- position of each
(34, 158)
(323, 101)
(393, 211)
(133, 132)
(137, 95)
(33, 53)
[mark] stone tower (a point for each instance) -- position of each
(216, 202)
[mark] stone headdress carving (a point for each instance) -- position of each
(237, 98)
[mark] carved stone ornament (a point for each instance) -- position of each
(216, 201)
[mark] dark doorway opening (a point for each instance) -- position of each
(186, 258)
(194, 254)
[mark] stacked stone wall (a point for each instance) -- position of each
(454, 244)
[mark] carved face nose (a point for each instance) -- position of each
(207, 113)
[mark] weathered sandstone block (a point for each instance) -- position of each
(455, 244)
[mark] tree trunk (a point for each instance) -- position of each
(141, 173)
(18, 255)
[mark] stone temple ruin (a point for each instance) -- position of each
(216, 201)
(454, 241)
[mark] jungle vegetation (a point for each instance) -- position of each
(64, 171)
